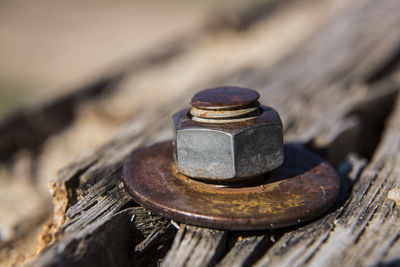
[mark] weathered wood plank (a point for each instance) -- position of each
(194, 246)
(365, 229)
(326, 102)
(336, 117)
(311, 77)
(297, 246)
(246, 251)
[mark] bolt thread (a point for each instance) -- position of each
(225, 105)
(225, 116)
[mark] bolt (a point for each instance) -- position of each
(225, 105)
(227, 136)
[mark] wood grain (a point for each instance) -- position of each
(334, 91)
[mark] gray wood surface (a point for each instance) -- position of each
(337, 93)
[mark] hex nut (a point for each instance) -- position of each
(228, 151)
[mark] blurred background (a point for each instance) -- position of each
(50, 47)
(72, 73)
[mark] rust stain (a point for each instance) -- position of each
(289, 195)
(225, 97)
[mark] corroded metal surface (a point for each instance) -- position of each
(227, 136)
(228, 152)
(227, 97)
(301, 189)
(224, 114)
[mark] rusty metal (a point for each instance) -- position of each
(224, 116)
(216, 114)
(229, 141)
(225, 105)
(304, 187)
(225, 97)
(226, 152)
(227, 136)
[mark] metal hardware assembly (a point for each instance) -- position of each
(225, 105)
(227, 136)
(225, 174)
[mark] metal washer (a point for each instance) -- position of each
(304, 187)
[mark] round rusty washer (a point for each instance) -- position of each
(303, 188)
(226, 97)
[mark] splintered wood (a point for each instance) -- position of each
(332, 71)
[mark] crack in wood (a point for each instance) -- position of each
(334, 97)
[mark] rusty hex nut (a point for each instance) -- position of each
(236, 149)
